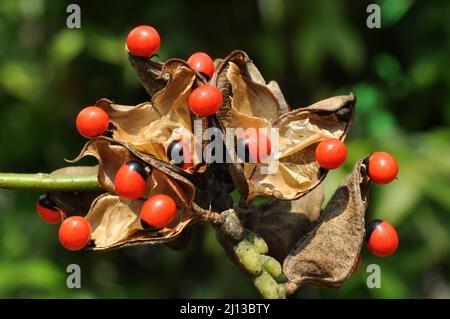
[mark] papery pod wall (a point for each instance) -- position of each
(281, 245)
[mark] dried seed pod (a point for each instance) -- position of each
(250, 103)
(115, 222)
(283, 223)
(325, 256)
(247, 103)
(276, 90)
(150, 73)
(110, 155)
(150, 127)
(321, 251)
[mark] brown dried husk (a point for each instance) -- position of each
(282, 223)
(326, 255)
(115, 221)
(151, 126)
(251, 103)
(150, 73)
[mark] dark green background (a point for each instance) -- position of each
(314, 49)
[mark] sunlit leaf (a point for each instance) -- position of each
(66, 46)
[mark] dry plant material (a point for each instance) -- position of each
(251, 103)
(325, 256)
(283, 223)
(150, 127)
(280, 245)
(114, 221)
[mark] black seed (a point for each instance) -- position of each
(176, 148)
(205, 75)
(108, 133)
(344, 114)
(149, 228)
(369, 230)
(138, 168)
(91, 243)
(321, 172)
(46, 202)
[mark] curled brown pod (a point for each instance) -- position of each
(150, 127)
(313, 246)
(326, 254)
(115, 221)
(249, 102)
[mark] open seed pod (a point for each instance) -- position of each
(150, 73)
(115, 222)
(282, 223)
(312, 246)
(326, 255)
(151, 127)
(251, 103)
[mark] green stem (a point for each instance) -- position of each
(49, 182)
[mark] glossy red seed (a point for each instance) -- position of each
(205, 100)
(202, 63)
(158, 211)
(48, 211)
(382, 238)
(383, 167)
(75, 233)
(92, 121)
(143, 41)
(130, 180)
(331, 154)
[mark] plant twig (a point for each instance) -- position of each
(208, 215)
(49, 182)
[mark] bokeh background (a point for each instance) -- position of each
(314, 49)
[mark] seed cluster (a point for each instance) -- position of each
(133, 178)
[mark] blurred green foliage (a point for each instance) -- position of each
(313, 49)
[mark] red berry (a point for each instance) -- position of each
(202, 63)
(356, 266)
(130, 180)
(75, 233)
(382, 238)
(179, 152)
(256, 146)
(331, 153)
(205, 100)
(143, 41)
(383, 167)
(48, 210)
(92, 121)
(158, 211)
